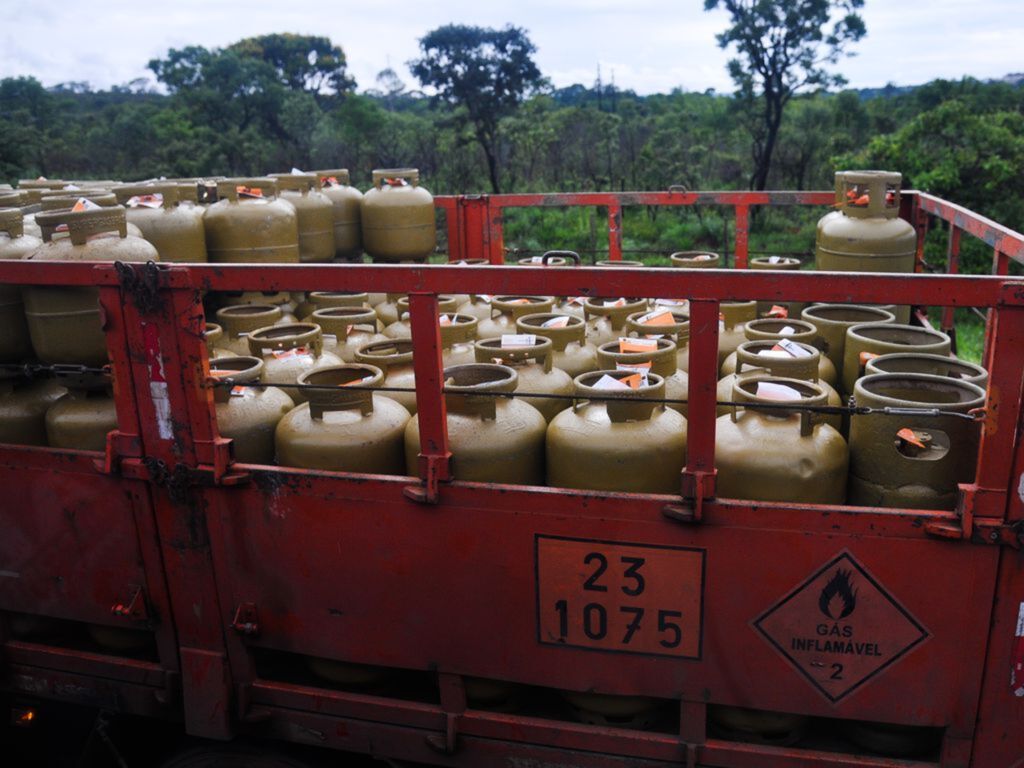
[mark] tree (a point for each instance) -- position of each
(485, 72)
(783, 47)
(302, 62)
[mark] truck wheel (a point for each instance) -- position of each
(232, 756)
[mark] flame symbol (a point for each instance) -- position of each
(838, 598)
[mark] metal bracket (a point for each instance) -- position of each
(134, 606)
(246, 621)
(453, 704)
(697, 487)
(435, 468)
(142, 283)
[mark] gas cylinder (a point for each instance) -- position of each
(64, 322)
(23, 405)
(249, 224)
(618, 263)
(479, 306)
(248, 415)
(212, 336)
(59, 199)
(780, 263)
(832, 320)
(398, 217)
(176, 231)
(458, 336)
(280, 299)
(622, 442)
(394, 358)
(402, 327)
(606, 318)
(239, 321)
(329, 299)
(773, 329)
(779, 454)
(608, 710)
(653, 355)
(15, 342)
(344, 429)
(755, 725)
(663, 321)
(315, 215)
(493, 439)
(796, 360)
(570, 349)
(867, 339)
(289, 351)
(695, 260)
(346, 329)
(347, 202)
(868, 235)
(892, 739)
(912, 461)
(505, 310)
(387, 310)
(732, 328)
(530, 356)
(935, 365)
(81, 418)
(571, 305)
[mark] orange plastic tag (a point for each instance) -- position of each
(863, 200)
(633, 381)
(396, 182)
(239, 391)
(865, 356)
(658, 317)
(282, 354)
(579, 300)
(519, 301)
(244, 191)
(330, 181)
(355, 382)
(910, 436)
(84, 205)
(155, 200)
(637, 345)
(445, 320)
(616, 303)
(556, 322)
(777, 311)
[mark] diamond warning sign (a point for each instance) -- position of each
(840, 627)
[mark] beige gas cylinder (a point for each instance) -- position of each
(387, 310)
(241, 320)
(870, 339)
(617, 438)
(570, 349)
(906, 460)
(653, 356)
(755, 725)
(346, 329)
(81, 418)
(398, 217)
(775, 329)
(15, 342)
(247, 415)
(606, 318)
(250, 224)
(781, 453)
(176, 231)
(571, 305)
(832, 321)
(696, 260)
(394, 358)
(505, 310)
(212, 336)
(347, 202)
(329, 299)
(23, 405)
(315, 213)
(795, 360)
(402, 327)
(65, 323)
(610, 711)
(458, 336)
(343, 428)
(479, 306)
(934, 365)
(281, 299)
(664, 322)
(734, 317)
(493, 439)
(530, 356)
(782, 264)
(287, 352)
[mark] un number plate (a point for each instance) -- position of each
(619, 597)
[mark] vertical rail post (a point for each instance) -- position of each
(952, 268)
(920, 222)
(698, 481)
(434, 456)
(455, 224)
(495, 233)
(614, 231)
(473, 213)
(742, 235)
(1000, 262)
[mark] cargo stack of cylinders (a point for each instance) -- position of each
(347, 202)
(733, 318)
(249, 224)
(315, 215)
(176, 231)
(315, 300)
(240, 320)
(458, 339)
(398, 221)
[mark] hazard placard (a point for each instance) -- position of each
(840, 627)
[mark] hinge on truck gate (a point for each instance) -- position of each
(983, 531)
(133, 606)
(246, 621)
(142, 283)
(176, 481)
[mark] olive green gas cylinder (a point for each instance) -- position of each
(346, 329)
(81, 418)
(734, 317)
(287, 352)
(398, 217)
(615, 438)
(667, 323)
(458, 338)
(394, 358)
(606, 318)
(176, 231)
(478, 305)
(505, 310)
(570, 349)
(15, 342)
(347, 203)
(934, 365)
(695, 260)
(212, 335)
(773, 329)
(315, 215)
(783, 264)
(247, 415)
(653, 355)
(609, 710)
(315, 300)
(755, 725)
(868, 235)
(870, 339)
(65, 323)
(23, 405)
(249, 224)
(493, 439)
(402, 327)
(530, 356)
(832, 322)
(906, 460)
(342, 428)
(280, 299)
(387, 310)
(241, 320)
(779, 454)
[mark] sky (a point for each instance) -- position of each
(650, 46)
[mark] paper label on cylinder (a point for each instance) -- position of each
(657, 317)
(777, 311)
(774, 259)
(671, 302)
(83, 204)
(776, 352)
(769, 390)
(640, 371)
(787, 330)
(240, 391)
(358, 382)
(156, 200)
(297, 172)
(620, 302)
(300, 354)
(792, 349)
(518, 340)
(444, 320)
(609, 382)
(703, 257)
(556, 322)
(637, 345)
(577, 300)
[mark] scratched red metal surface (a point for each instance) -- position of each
(443, 578)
